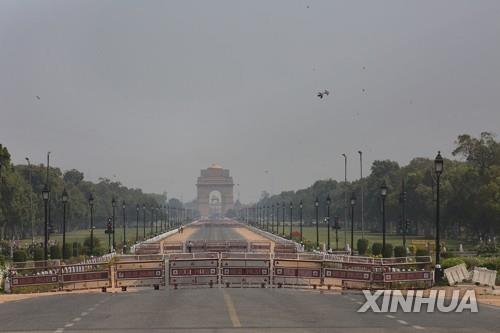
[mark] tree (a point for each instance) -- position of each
(73, 177)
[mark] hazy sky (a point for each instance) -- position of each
(154, 91)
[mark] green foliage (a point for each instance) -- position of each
(421, 252)
(388, 251)
(37, 253)
(362, 246)
(75, 249)
(450, 262)
(69, 251)
(488, 249)
(20, 256)
(376, 249)
(472, 262)
(55, 252)
(399, 251)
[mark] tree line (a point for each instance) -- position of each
(21, 199)
(469, 194)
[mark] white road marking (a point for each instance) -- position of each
(83, 314)
(77, 319)
(402, 322)
(69, 325)
(418, 327)
(390, 316)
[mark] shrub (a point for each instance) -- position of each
(421, 252)
(20, 256)
(492, 263)
(37, 253)
(399, 251)
(377, 249)
(362, 246)
(55, 252)
(2, 260)
(69, 251)
(450, 262)
(389, 250)
(472, 262)
(75, 249)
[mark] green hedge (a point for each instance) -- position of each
(400, 251)
(388, 251)
(362, 246)
(377, 249)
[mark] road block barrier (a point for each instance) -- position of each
(173, 247)
(193, 269)
(484, 276)
(86, 276)
(139, 271)
(456, 274)
(302, 270)
(245, 269)
(148, 248)
(260, 246)
(237, 246)
(35, 276)
(288, 247)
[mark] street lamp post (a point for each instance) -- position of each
(113, 204)
(91, 205)
(31, 200)
(277, 218)
(438, 169)
(152, 220)
(403, 212)
(353, 203)
(137, 223)
(336, 221)
(383, 194)
(316, 205)
(345, 200)
(283, 219)
(328, 203)
(156, 220)
(64, 201)
(46, 196)
(124, 227)
(143, 221)
(362, 194)
(272, 218)
(301, 205)
(291, 219)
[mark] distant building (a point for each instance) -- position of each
(215, 192)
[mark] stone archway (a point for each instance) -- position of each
(215, 192)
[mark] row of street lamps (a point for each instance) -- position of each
(263, 213)
(173, 216)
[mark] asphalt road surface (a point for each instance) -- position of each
(226, 310)
(215, 233)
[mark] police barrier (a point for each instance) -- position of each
(456, 274)
(297, 270)
(245, 269)
(260, 246)
(173, 247)
(287, 247)
(193, 269)
(148, 248)
(35, 276)
(139, 271)
(484, 276)
(86, 276)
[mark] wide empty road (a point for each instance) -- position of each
(215, 232)
(225, 310)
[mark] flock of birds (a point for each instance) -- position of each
(324, 93)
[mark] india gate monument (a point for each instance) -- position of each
(215, 192)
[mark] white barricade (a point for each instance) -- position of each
(456, 274)
(484, 276)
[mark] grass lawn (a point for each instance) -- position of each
(310, 234)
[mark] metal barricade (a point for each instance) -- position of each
(86, 276)
(193, 269)
(245, 269)
(260, 246)
(148, 248)
(139, 271)
(301, 271)
(173, 247)
(35, 276)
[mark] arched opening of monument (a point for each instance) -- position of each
(215, 205)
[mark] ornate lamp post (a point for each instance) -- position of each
(316, 205)
(113, 204)
(124, 227)
(438, 169)
(402, 199)
(328, 203)
(277, 218)
(143, 221)
(46, 196)
(272, 218)
(91, 205)
(337, 227)
(64, 201)
(137, 208)
(291, 219)
(383, 194)
(301, 205)
(283, 219)
(353, 203)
